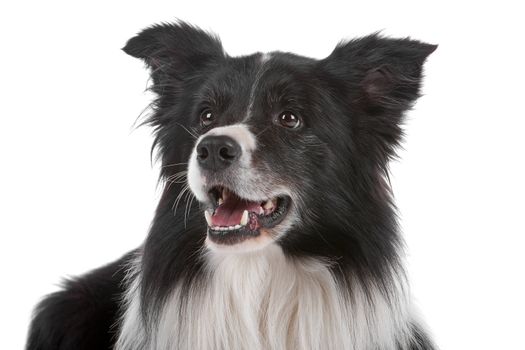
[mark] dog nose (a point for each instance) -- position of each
(217, 152)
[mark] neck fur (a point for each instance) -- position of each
(266, 300)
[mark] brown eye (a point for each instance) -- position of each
(207, 118)
(289, 120)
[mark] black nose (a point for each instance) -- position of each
(217, 152)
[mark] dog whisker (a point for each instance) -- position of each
(179, 197)
(193, 134)
(174, 164)
(263, 130)
(191, 197)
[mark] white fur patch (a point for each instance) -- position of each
(239, 132)
(265, 57)
(263, 300)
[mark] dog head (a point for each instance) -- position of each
(279, 147)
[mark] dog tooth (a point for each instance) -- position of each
(207, 215)
(223, 228)
(268, 205)
(237, 227)
(231, 228)
(221, 201)
(244, 218)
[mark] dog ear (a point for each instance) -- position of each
(379, 79)
(383, 74)
(174, 49)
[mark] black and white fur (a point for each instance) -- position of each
(329, 275)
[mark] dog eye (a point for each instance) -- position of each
(207, 118)
(289, 120)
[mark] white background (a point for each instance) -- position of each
(77, 189)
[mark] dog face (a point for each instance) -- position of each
(278, 147)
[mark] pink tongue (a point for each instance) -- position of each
(230, 212)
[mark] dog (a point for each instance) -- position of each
(276, 228)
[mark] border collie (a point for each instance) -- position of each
(276, 228)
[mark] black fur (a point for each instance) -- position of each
(83, 315)
(352, 104)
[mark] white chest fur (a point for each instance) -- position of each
(266, 301)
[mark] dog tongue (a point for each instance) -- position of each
(229, 213)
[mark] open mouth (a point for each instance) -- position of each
(234, 219)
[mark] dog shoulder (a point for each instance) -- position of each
(82, 315)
